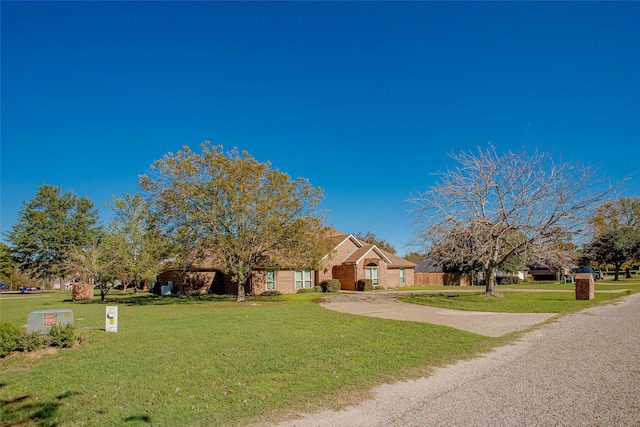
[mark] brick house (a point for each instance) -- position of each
(349, 261)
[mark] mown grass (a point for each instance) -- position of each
(525, 302)
(212, 361)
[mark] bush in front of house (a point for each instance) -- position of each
(331, 285)
(364, 285)
(379, 288)
(508, 280)
(314, 290)
(272, 293)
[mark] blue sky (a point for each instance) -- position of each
(365, 99)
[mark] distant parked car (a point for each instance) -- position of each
(3, 287)
(597, 274)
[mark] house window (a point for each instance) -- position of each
(271, 280)
(401, 275)
(303, 279)
(372, 273)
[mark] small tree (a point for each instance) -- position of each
(96, 263)
(137, 242)
(236, 212)
(511, 205)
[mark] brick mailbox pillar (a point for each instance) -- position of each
(80, 292)
(584, 286)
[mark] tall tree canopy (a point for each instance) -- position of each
(48, 226)
(7, 266)
(616, 233)
(491, 209)
(236, 212)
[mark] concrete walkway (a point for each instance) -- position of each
(386, 305)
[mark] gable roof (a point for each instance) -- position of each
(393, 261)
(360, 253)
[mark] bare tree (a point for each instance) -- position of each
(493, 207)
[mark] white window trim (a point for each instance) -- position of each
(266, 280)
(304, 283)
(375, 281)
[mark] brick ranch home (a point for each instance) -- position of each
(349, 261)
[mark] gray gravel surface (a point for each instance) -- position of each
(386, 306)
(581, 370)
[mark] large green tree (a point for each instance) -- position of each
(515, 205)
(235, 212)
(616, 233)
(615, 246)
(48, 226)
(7, 266)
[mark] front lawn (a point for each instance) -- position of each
(534, 301)
(212, 361)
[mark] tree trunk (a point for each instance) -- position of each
(616, 272)
(240, 292)
(489, 281)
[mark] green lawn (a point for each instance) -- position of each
(211, 361)
(536, 301)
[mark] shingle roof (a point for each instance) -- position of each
(427, 265)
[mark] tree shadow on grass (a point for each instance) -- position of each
(29, 410)
(141, 300)
(138, 418)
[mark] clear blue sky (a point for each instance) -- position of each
(366, 99)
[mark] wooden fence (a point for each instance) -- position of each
(440, 279)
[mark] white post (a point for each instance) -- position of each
(111, 319)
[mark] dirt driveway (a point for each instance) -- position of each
(386, 305)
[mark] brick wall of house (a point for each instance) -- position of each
(285, 281)
(393, 278)
(343, 251)
(382, 270)
(170, 276)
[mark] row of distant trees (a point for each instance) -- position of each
(491, 212)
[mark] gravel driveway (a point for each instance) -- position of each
(582, 370)
(386, 305)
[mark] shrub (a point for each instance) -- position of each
(272, 293)
(9, 335)
(30, 341)
(315, 289)
(331, 285)
(65, 336)
(364, 285)
(379, 288)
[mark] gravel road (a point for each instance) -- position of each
(582, 370)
